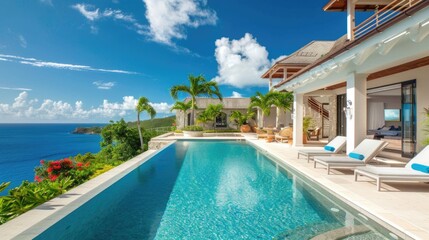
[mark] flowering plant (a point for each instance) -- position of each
(53, 170)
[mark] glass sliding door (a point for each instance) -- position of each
(341, 117)
(408, 118)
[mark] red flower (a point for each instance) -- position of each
(79, 164)
(87, 164)
(57, 167)
(49, 170)
(67, 163)
(37, 178)
(42, 162)
(53, 177)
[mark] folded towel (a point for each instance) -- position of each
(356, 156)
(420, 167)
(329, 148)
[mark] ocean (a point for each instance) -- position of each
(22, 146)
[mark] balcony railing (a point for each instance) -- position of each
(383, 15)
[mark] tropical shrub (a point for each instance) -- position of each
(222, 131)
(29, 195)
(241, 118)
(59, 169)
(120, 142)
(193, 128)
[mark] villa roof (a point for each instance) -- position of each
(301, 58)
(343, 45)
(361, 5)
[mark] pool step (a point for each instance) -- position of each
(323, 231)
(343, 232)
(306, 231)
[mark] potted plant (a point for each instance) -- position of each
(241, 120)
(193, 131)
(307, 122)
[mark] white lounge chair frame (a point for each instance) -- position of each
(394, 174)
(368, 147)
(338, 143)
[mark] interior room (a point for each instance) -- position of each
(384, 115)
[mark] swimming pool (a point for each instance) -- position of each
(211, 190)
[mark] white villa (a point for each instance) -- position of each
(373, 80)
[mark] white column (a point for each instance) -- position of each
(298, 106)
(356, 120)
(350, 19)
(270, 84)
(284, 73)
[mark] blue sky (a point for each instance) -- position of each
(88, 61)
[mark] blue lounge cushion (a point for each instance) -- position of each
(420, 167)
(356, 156)
(329, 148)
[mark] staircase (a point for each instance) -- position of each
(317, 106)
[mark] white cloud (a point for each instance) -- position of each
(22, 41)
(74, 67)
(162, 107)
(167, 18)
(16, 89)
(241, 62)
(236, 95)
(23, 108)
(87, 11)
(104, 85)
(94, 14)
(118, 15)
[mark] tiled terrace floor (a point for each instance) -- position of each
(402, 205)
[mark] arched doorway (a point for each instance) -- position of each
(221, 120)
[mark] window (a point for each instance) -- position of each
(221, 120)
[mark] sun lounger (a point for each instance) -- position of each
(360, 156)
(333, 147)
(412, 172)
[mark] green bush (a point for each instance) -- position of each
(222, 131)
(193, 128)
(29, 195)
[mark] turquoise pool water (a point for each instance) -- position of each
(208, 190)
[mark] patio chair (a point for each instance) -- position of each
(261, 133)
(333, 147)
(416, 170)
(284, 134)
(314, 134)
(360, 156)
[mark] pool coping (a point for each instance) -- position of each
(32, 223)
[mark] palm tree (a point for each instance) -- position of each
(263, 103)
(240, 118)
(210, 113)
(198, 86)
(283, 101)
(143, 106)
(182, 106)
